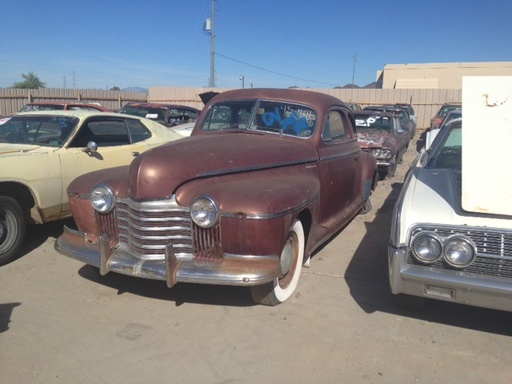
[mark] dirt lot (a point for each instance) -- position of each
(60, 322)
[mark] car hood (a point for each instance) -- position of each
(159, 172)
(434, 196)
(374, 138)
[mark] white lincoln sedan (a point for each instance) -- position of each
(437, 250)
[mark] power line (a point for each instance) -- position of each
(270, 71)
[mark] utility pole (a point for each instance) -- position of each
(209, 29)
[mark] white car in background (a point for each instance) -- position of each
(437, 250)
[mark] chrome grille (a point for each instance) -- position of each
(148, 227)
(494, 250)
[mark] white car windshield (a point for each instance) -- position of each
(39, 130)
(447, 147)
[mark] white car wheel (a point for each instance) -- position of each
(281, 288)
(12, 229)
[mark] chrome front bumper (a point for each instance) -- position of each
(454, 286)
(230, 270)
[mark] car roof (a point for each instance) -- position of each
(390, 108)
(454, 103)
(317, 100)
(159, 105)
(73, 103)
(82, 114)
(370, 112)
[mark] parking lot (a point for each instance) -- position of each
(61, 322)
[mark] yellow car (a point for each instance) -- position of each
(42, 152)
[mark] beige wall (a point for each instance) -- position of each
(439, 75)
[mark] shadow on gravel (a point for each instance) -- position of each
(367, 278)
(5, 315)
(180, 294)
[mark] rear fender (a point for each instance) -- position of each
(369, 175)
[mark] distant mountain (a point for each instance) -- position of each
(355, 86)
(135, 89)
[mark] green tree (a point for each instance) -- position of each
(115, 89)
(31, 82)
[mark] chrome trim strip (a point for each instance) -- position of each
(257, 168)
(267, 216)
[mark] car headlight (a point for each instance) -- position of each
(204, 212)
(459, 251)
(427, 247)
(102, 198)
(381, 153)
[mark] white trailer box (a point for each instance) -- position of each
(487, 144)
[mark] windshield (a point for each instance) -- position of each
(50, 131)
(157, 114)
(373, 122)
(447, 152)
(265, 116)
(176, 115)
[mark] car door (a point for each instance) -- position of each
(116, 147)
(338, 155)
(402, 136)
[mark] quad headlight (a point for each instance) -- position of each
(381, 153)
(427, 247)
(457, 250)
(102, 198)
(204, 212)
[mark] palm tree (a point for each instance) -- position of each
(31, 82)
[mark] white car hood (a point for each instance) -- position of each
(434, 196)
(184, 129)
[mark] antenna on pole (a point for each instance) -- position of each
(209, 29)
(354, 69)
(353, 77)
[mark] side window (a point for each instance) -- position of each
(105, 133)
(138, 132)
(335, 129)
(233, 115)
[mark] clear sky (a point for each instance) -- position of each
(272, 43)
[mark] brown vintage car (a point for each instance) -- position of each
(266, 177)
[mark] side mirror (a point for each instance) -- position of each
(92, 147)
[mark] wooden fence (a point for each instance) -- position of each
(426, 102)
(12, 100)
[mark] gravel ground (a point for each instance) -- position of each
(60, 322)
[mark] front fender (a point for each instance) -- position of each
(256, 194)
(257, 208)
